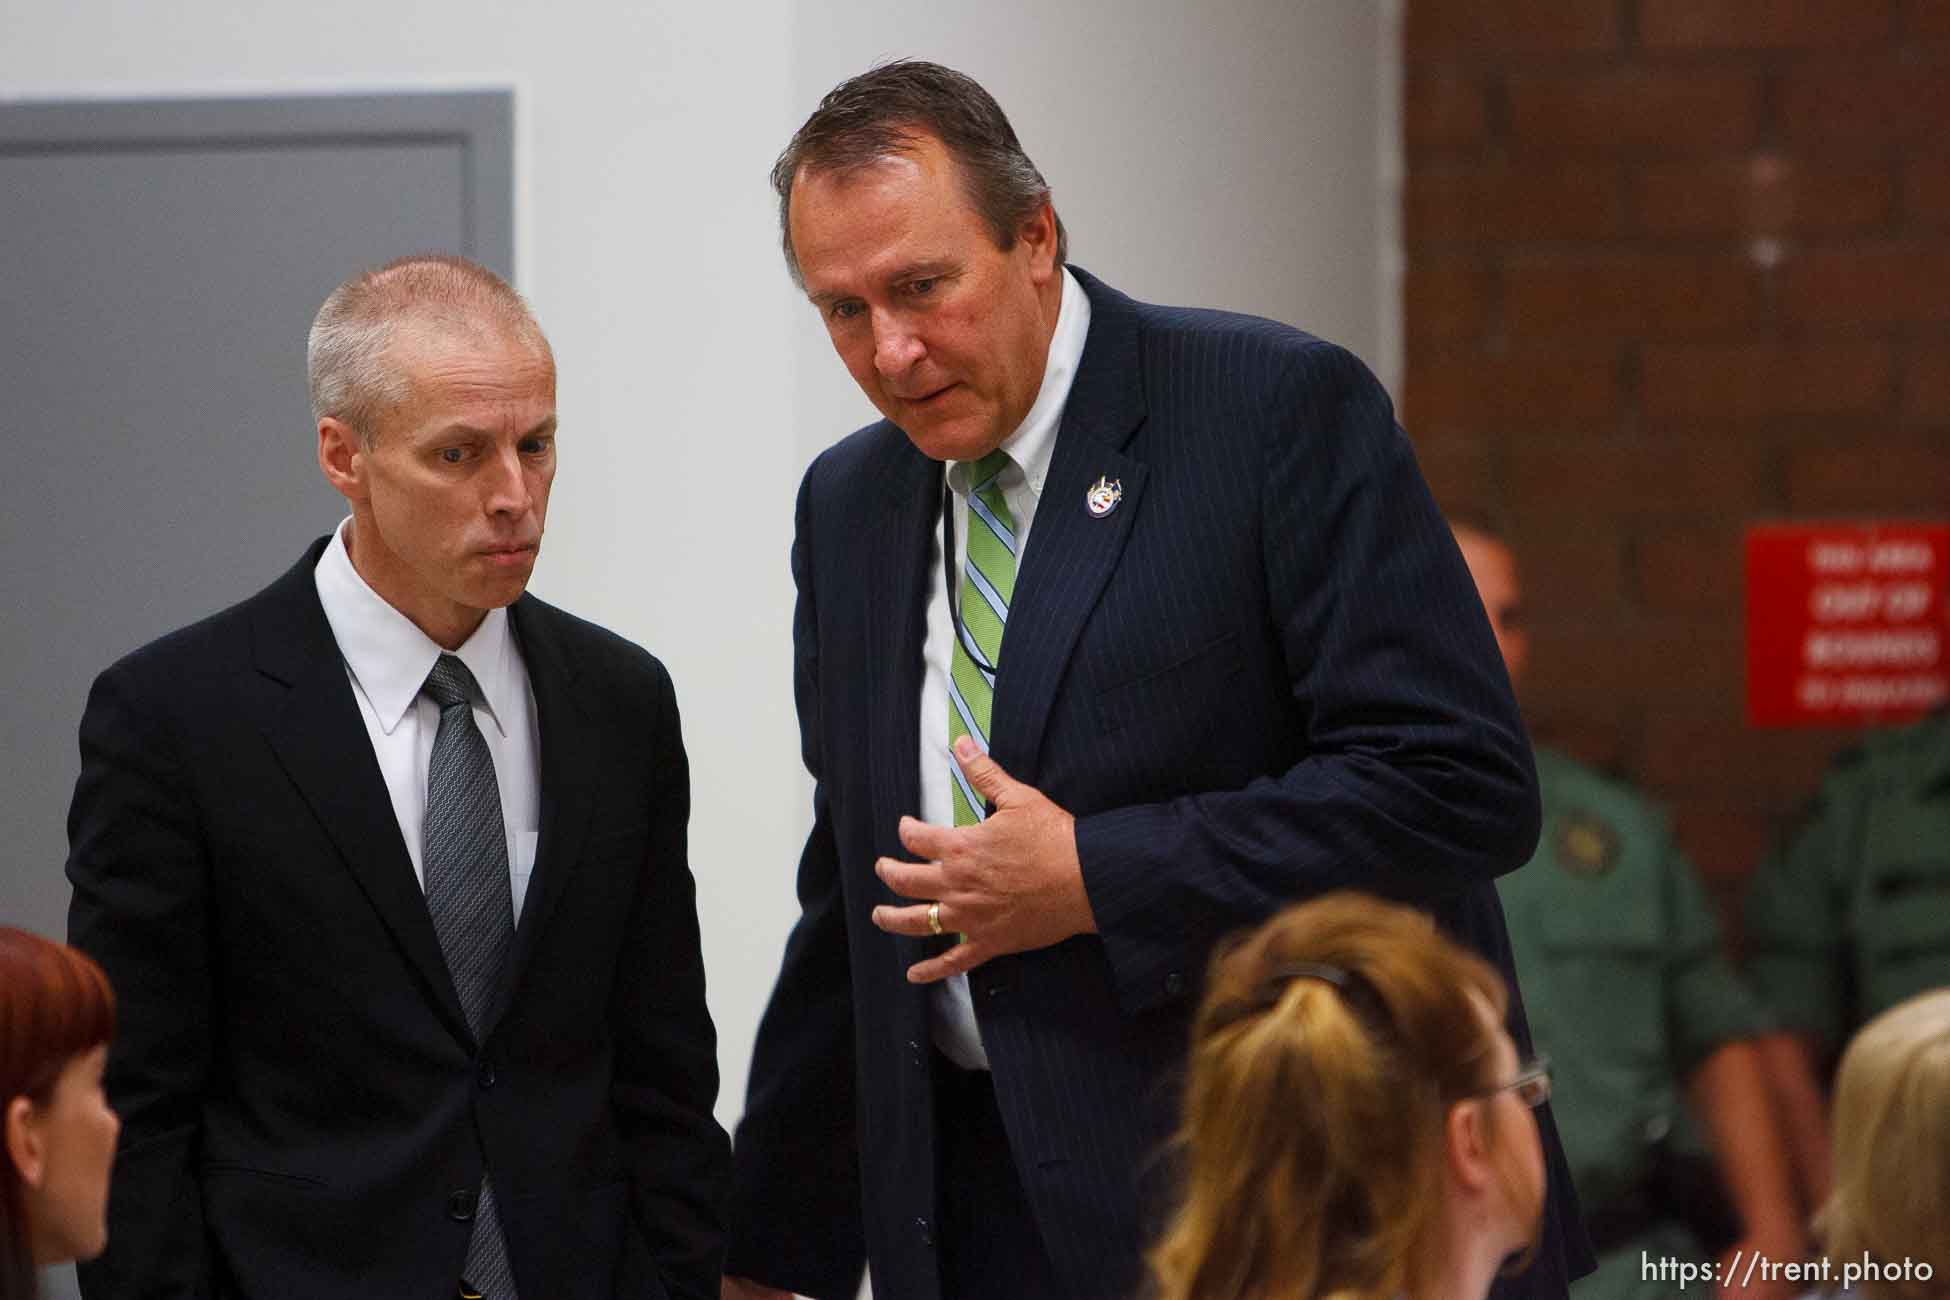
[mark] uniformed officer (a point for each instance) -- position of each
(1851, 916)
(1630, 994)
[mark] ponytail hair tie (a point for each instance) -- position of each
(1312, 970)
(1354, 988)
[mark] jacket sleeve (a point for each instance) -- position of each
(139, 867)
(796, 1219)
(666, 1071)
(1415, 777)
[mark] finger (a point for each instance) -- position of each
(925, 839)
(908, 920)
(958, 960)
(912, 879)
(983, 772)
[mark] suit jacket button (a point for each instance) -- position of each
(487, 1075)
(460, 1206)
(926, 1230)
(1175, 983)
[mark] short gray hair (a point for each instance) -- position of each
(348, 368)
(878, 114)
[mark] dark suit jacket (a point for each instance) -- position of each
(1264, 675)
(305, 1111)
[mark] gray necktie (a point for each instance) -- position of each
(465, 858)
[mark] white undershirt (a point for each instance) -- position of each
(954, 1028)
(388, 659)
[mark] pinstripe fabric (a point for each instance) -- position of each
(470, 900)
(1264, 676)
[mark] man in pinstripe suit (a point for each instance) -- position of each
(1182, 639)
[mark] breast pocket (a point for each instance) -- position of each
(1165, 729)
(1179, 697)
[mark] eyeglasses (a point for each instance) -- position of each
(1532, 1084)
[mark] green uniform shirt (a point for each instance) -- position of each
(1626, 986)
(1853, 915)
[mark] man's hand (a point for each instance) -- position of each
(743, 1288)
(1007, 884)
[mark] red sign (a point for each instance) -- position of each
(1846, 623)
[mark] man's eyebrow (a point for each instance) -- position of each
(459, 429)
(462, 429)
(928, 270)
(932, 268)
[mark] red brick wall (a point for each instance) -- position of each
(1672, 266)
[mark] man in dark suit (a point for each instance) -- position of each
(1183, 640)
(387, 865)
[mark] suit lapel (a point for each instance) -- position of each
(569, 762)
(1072, 552)
(899, 551)
(322, 743)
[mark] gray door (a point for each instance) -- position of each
(159, 265)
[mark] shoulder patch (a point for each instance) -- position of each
(1586, 844)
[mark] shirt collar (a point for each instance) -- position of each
(390, 657)
(1034, 440)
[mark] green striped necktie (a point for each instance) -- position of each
(988, 584)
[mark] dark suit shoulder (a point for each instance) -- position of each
(222, 637)
(1168, 325)
(1250, 357)
(596, 652)
(1164, 326)
(856, 461)
(1262, 386)
(221, 642)
(581, 635)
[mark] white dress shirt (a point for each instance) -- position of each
(388, 659)
(1030, 446)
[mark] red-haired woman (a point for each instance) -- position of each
(56, 1015)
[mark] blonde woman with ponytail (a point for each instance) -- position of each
(1356, 1122)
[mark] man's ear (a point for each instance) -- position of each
(341, 454)
(1037, 234)
(24, 1144)
(1466, 1145)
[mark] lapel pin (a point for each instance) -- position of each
(1103, 496)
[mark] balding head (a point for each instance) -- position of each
(355, 373)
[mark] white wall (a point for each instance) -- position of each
(1218, 154)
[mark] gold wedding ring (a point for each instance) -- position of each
(934, 918)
